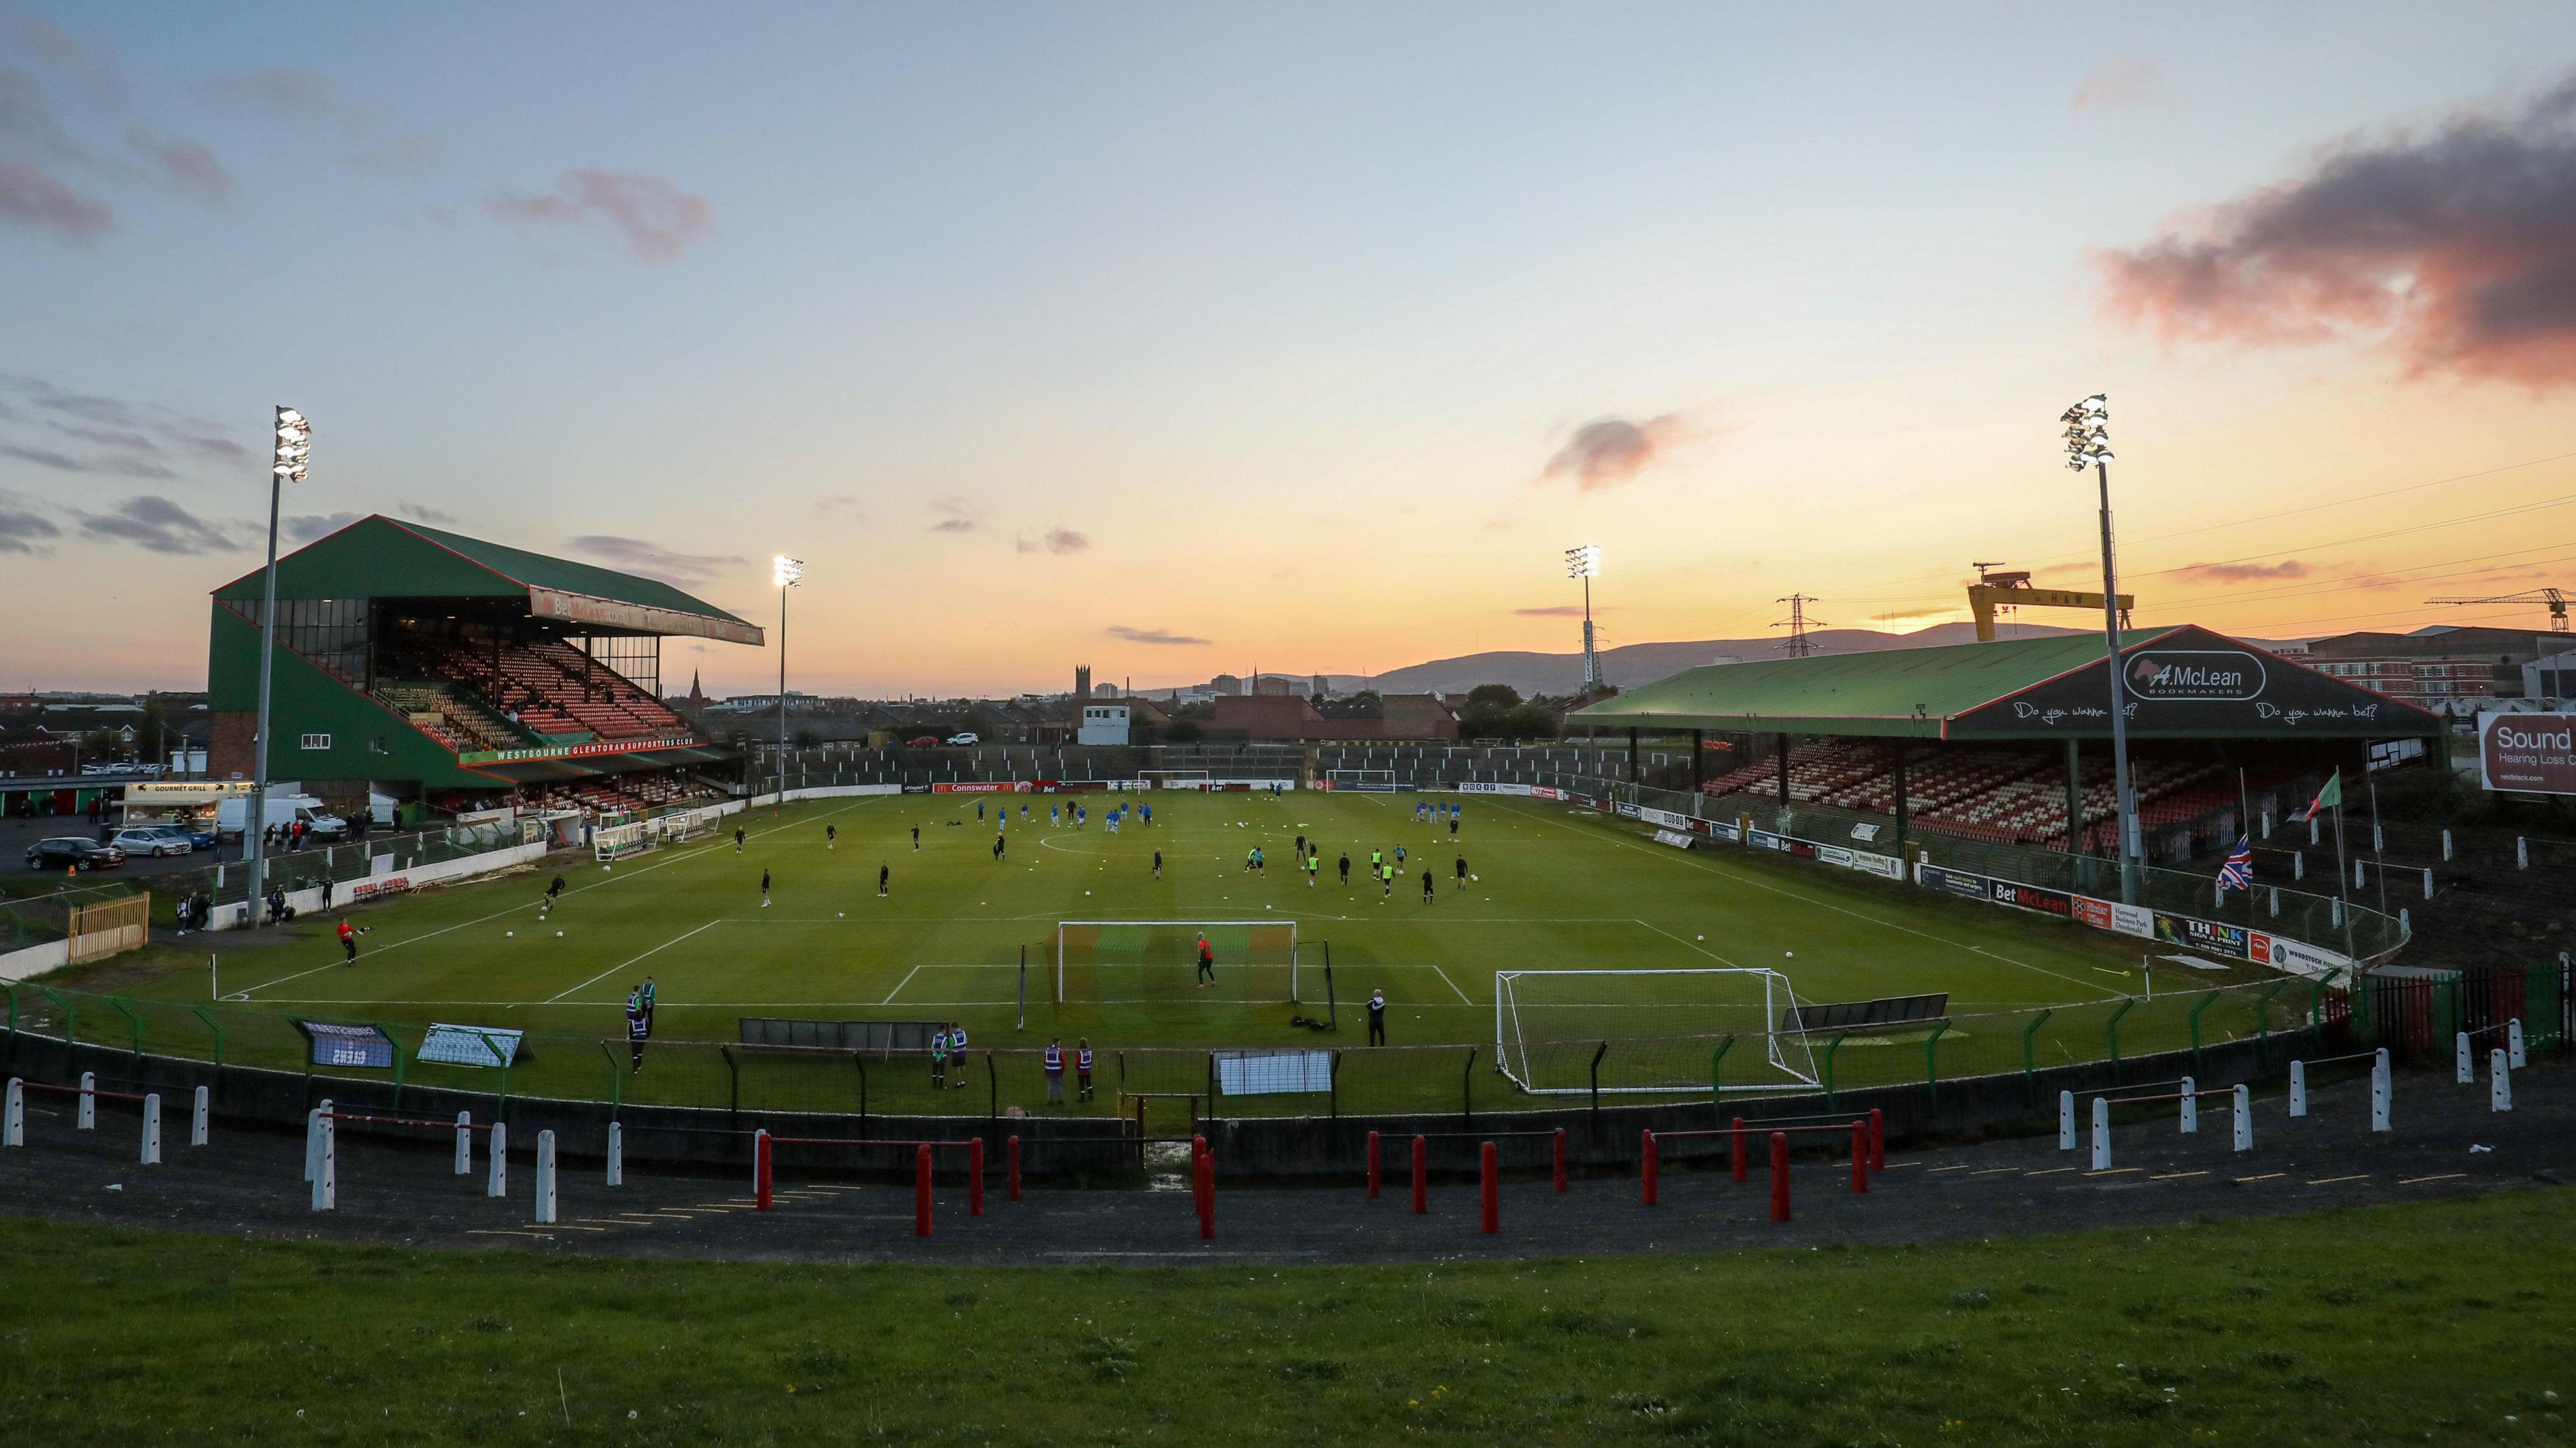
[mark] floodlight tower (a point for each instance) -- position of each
(784, 571)
(294, 446)
(1585, 563)
(2088, 444)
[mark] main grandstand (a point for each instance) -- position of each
(450, 674)
(2009, 742)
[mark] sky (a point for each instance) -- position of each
(1186, 339)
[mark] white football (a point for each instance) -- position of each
(510, 932)
(1699, 937)
(606, 868)
(558, 935)
(1789, 954)
(1475, 877)
(845, 914)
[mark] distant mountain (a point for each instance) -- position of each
(1634, 664)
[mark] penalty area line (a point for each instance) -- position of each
(614, 969)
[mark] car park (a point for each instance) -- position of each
(151, 842)
(73, 852)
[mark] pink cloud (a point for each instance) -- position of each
(1612, 451)
(30, 198)
(653, 219)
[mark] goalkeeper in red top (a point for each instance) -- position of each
(1207, 962)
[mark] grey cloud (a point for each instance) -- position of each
(1055, 540)
(21, 528)
(681, 570)
(304, 528)
(36, 201)
(290, 93)
(422, 512)
(651, 218)
(1151, 636)
(161, 526)
(1611, 451)
(2244, 572)
(119, 467)
(182, 165)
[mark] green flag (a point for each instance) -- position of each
(2330, 797)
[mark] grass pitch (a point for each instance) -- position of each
(1553, 888)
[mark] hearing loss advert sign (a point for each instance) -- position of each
(2529, 753)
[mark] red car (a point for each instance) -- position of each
(926, 741)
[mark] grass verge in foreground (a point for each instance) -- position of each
(2445, 1322)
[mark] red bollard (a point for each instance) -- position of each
(1877, 1139)
(760, 1170)
(1492, 1188)
(974, 1176)
(1735, 1147)
(921, 1191)
(1421, 1174)
(1648, 1167)
(1375, 1161)
(1860, 1157)
(1206, 1185)
(1014, 1155)
(1560, 1158)
(1779, 1176)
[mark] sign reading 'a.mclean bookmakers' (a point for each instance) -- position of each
(2527, 753)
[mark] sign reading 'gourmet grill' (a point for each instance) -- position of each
(2531, 753)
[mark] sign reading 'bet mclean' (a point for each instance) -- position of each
(2530, 753)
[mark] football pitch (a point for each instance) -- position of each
(1554, 888)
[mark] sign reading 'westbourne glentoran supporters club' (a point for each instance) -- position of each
(2529, 753)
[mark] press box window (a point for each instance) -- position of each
(317, 741)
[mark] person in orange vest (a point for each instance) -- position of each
(349, 940)
(1054, 1058)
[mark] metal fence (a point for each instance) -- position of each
(2413, 1016)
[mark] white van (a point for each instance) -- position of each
(283, 809)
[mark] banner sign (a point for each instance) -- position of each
(1870, 862)
(470, 1045)
(2527, 753)
(2035, 898)
(1724, 830)
(1666, 818)
(1955, 882)
(1675, 838)
(1272, 1073)
(1765, 840)
(2111, 915)
(1627, 811)
(2202, 935)
(380, 886)
(1534, 791)
(339, 1045)
(1007, 786)
(2295, 956)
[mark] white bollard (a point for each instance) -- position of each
(87, 1117)
(2513, 1044)
(13, 1129)
(2101, 1133)
(2244, 1118)
(2521, 854)
(326, 1166)
(200, 1117)
(2356, 871)
(313, 1125)
(500, 1183)
(465, 1142)
(2428, 872)
(2298, 858)
(2190, 1107)
(152, 1127)
(616, 1155)
(545, 1176)
(2379, 1093)
(2446, 836)
(2298, 1087)
(2065, 1121)
(2499, 1082)
(2461, 1061)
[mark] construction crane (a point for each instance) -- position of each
(2555, 598)
(1994, 590)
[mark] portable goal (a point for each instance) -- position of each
(689, 824)
(1373, 781)
(1570, 1032)
(1136, 961)
(1173, 778)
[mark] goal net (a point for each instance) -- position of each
(1649, 1031)
(1129, 961)
(688, 824)
(1173, 778)
(617, 842)
(1375, 781)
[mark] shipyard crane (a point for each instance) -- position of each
(2555, 598)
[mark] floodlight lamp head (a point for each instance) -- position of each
(294, 445)
(1583, 562)
(786, 570)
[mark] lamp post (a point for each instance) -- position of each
(2088, 444)
(1585, 563)
(785, 571)
(286, 462)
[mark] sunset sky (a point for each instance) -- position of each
(1184, 339)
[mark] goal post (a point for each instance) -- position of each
(617, 842)
(1372, 781)
(1173, 778)
(688, 824)
(1570, 1032)
(1111, 961)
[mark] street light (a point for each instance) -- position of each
(2088, 445)
(294, 446)
(1585, 563)
(785, 572)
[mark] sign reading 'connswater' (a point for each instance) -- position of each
(2527, 753)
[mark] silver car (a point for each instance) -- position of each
(151, 840)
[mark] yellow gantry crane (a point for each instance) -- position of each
(1994, 590)
(2555, 598)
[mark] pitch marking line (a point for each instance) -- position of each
(614, 969)
(2330, 1181)
(2444, 1177)
(1453, 985)
(2054, 1171)
(899, 985)
(2175, 1176)
(1690, 944)
(2265, 1177)
(677, 857)
(1727, 874)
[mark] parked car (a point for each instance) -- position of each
(152, 842)
(75, 852)
(199, 837)
(966, 737)
(926, 741)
